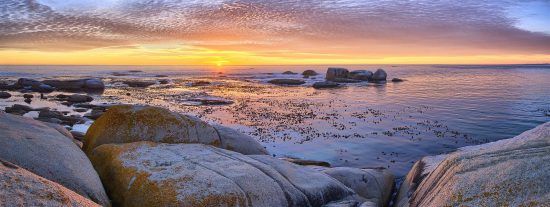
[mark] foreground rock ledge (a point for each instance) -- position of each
(153, 174)
(125, 123)
(19, 187)
(511, 172)
(49, 153)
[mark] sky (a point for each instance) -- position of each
(268, 32)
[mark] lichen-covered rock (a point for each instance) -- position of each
(511, 172)
(125, 123)
(44, 151)
(19, 187)
(158, 174)
(238, 142)
(374, 185)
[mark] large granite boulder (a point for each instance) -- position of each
(379, 75)
(511, 172)
(336, 73)
(46, 152)
(238, 142)
(125, 123)
(363, 75)
(92, 84)
(375, 185)
(19, 187)
(158, 174)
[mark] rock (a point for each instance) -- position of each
(79, 98)
(209, 101)
(95, 113)
(76, 85)
(334, 73)
(42, 88)
(345, 80)
(159, 174)
(306, 162)
(80, 110)
(50, 120)
(379, 75)
(238, 142)
(118, 74)
(199, 83)
(139, 83)
(375, 185)
(135, 71)
(286, 82)
(18, 109)
(289, 73)
(78, 135)
(124, 123)
(164, 81)
(309, 73)
(325, 84)
(46, 152)
(363, 75)
(23, 188)
(26, 82)
(28, 100)
(47, 115)
(28, 96)
(9, 87)
(396, 80)
(511, 172)
(4, 95)
(161, 76)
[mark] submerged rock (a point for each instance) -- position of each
(335, 73)
(23, 188)
(286, 82)
(122, 124)
(363, 75)
(511, 172)
(325, 84)
(379, 75)
(153, 174)
(45, 151)
(4, 95)
(289, 73)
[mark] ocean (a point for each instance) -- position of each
(436, 110)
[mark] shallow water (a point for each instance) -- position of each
(437, 109)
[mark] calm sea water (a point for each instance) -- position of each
(436, 110)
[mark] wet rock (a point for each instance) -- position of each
(325, 84)
(147, 174)
(4, 95)
(42, 88)
(76, 85)
(9, 87)
(209, 101)
(79, 98)
(396, 80)
(379, 75)
(80, 110)
(26, 82)
(46, 114)
(306, 162)
(50, 120)
(148, 124)
(28, 100)
(511, 172)
(363, 75)
(334, 73)
(236, 141)
(118, 74)
(23, 188)
(18, 109)
(139, 83)
(95, 113)
(375, 185)
(161, 76)
(135, 71)
(28, 96)
(46, 152)
(286, 82)
(164, 81)
(309, 73)
(345, 80)
(78, 135)
(199, 83)
(289, 73)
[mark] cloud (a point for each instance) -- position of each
(357, 28)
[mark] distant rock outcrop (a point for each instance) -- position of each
(511, 172)
(92, 84)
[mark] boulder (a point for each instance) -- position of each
(4, 95)
(92, 84)
(306, 162)
(139, 83)
(159, 174)
(26, 82)
(9, 87)
(289, 73)
(375, 185)
(379, 75)
(345, 80)
(363, 75)
(326, 84)
(124, 123)
(199, 83)
(23, 188)
(42, 88)
(46, 152)
(236, 141)
(18, 109)
(309, 73)
(334, 73)
(286, 82)
(511, 172)
(79, 98)
(28, 96)
(396, 80)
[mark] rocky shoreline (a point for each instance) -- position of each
(150, 156)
